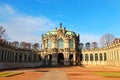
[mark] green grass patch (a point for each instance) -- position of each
(8, 74)
(107, 74)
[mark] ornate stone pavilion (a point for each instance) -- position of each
(60, 47)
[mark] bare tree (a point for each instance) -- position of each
(94, 45)
(81, 46)
(3, 33)
(16, 44)
(87, 45)
(22, 44)
(106, 39)
(29, 45)
(36, 46)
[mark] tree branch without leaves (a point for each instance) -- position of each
(3, 33)
(106, 39)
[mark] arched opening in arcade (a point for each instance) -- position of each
(81, 57)
(50, 59)
(71, 59)
(60, 59)
(46, 60)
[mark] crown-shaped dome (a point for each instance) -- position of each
(54, 32)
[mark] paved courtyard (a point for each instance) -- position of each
(63, 73)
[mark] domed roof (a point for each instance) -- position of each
(70, 32)
(54, 32)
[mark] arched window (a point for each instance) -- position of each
(45, 43)
(86, 57)
(60, 44)
(101, 57)
(49, 44)
(71, 43)
(91, 57)
(105, 57)
(96, 57)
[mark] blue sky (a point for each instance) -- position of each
(26, 20)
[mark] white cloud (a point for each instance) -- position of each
(88, 38)
(26, 28)
(6, 9)
(9, 9)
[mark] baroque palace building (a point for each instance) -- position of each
(60, 47)
(63, 47)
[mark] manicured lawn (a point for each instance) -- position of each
(7, 74)
(107, 74)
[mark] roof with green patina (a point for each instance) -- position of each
(53, 32)
(70, 32)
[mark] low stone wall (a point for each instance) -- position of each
(102, 63)
(18, 65)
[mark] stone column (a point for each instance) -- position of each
(98, 56)
(66, 43)
(6, 56)
(66, 58)
(0, 54)
(107, 54)
(117, 58)
(119, 54)
(17, 57)
(22, 57)
(32, 57)
(66, 54)
(14, 57)
(36, 57)
(3, 55)
(83, 57)
(74, 43)
(115, 55)
(43, 58)
(43, 44)
(102, 56)
(110, 55)
(54, 58)
(54, 43)
(103, 60)
(74, 58)
(11, 56)
(27, 55)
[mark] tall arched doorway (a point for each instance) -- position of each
(60, 59)
(46, 60)
(71, 59)
(50, 59)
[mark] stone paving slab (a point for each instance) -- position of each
(54, 75)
